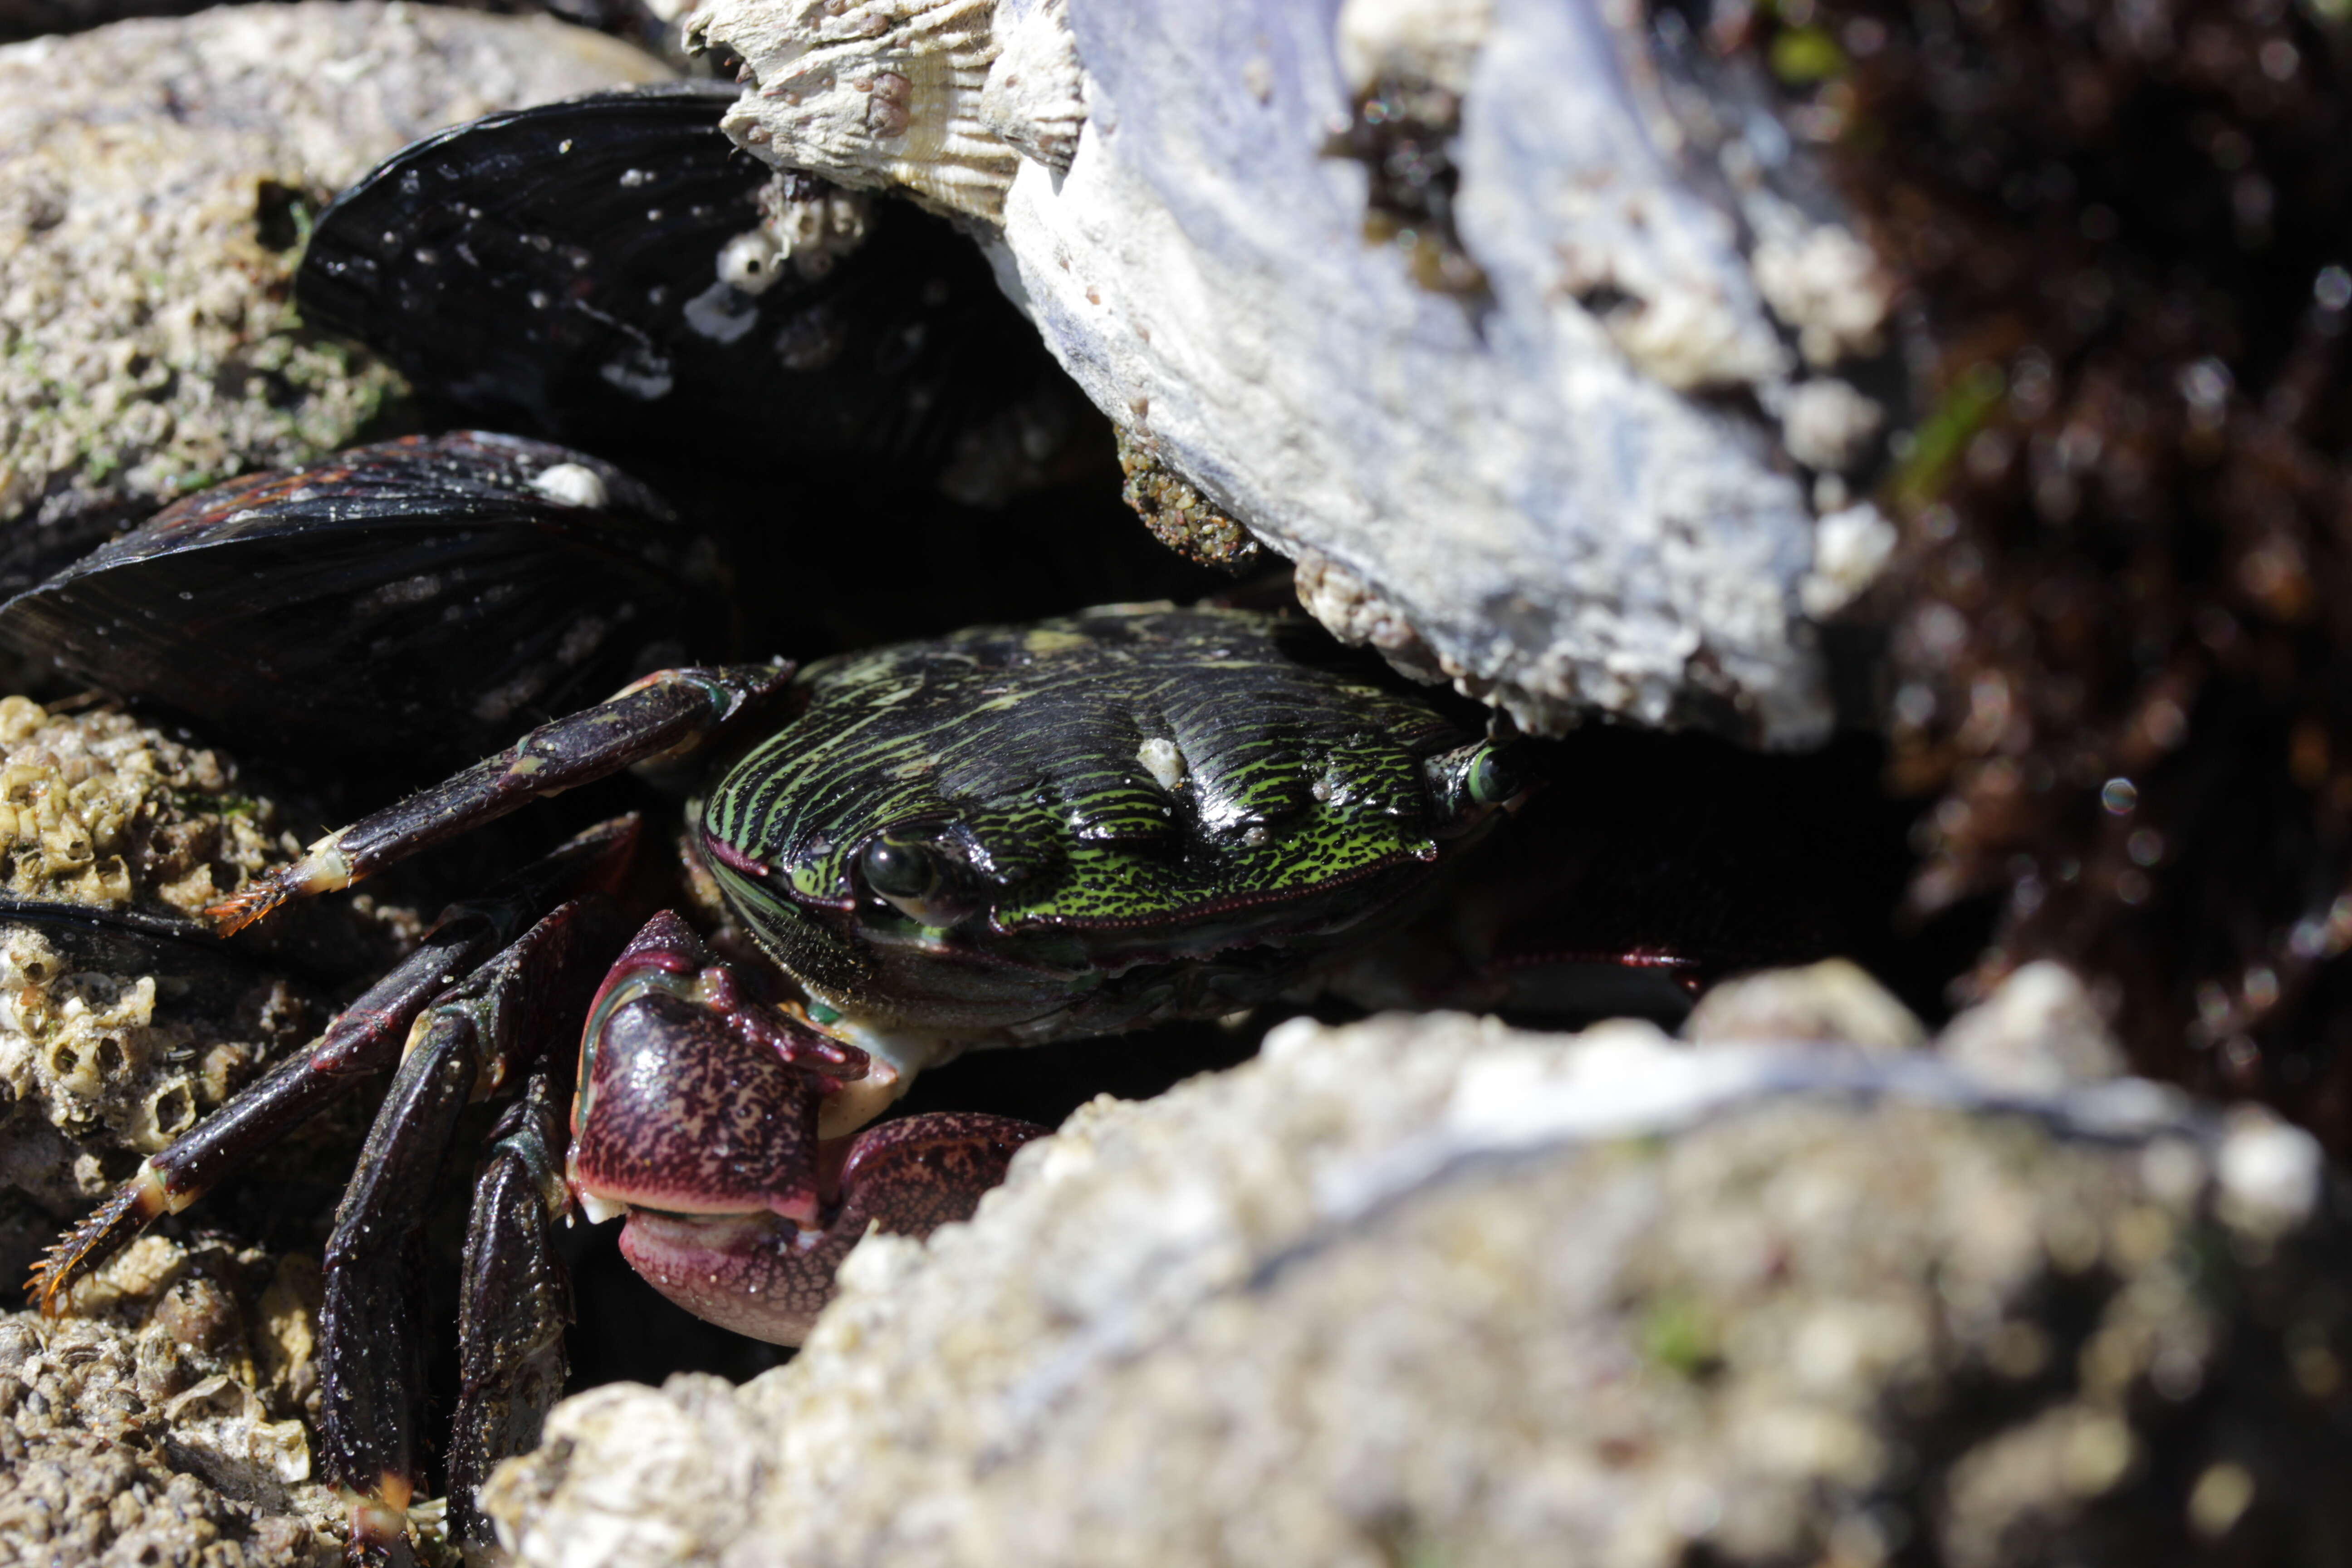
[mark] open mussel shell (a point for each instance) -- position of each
(558, 270)
(418, 602)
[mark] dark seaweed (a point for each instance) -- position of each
(2122, 622)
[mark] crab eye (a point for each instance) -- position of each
(926, 884)
(1492, 780)
(1466, 783)
(902, 873)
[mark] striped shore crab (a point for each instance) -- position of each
(1004, 836)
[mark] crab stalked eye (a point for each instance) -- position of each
(902, 873)
(1466, 783)
(1493, 779)
(915, 878)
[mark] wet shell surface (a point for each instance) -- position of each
(415, 601)
(612, 272)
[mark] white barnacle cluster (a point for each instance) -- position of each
(942, 97)
(100, 811)
(111, 1062)
(808, 233)
(812, 232)
(83, 1046)
(96, 808)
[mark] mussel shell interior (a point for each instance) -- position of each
(419, 602)
(555, 270)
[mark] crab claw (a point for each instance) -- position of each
(698, 1115)
(765, 1277)
(694, 1098)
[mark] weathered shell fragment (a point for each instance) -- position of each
(1520, 317)
(1034, 97)
(880, 92)
(1429, 1289)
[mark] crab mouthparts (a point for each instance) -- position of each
(761, 1271)
(797, 1209)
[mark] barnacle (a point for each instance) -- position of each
(96, 808)
(886, 91)
(107, 1033)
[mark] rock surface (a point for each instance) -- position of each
(159, 179)
(161, 1426)
(1428, 1291)
(1518, 349)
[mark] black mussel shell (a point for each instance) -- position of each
(193, 969)
(556, 270)
(420, 602)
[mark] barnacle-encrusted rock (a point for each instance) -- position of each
(1432, 1290)
(1527, 318)
(114, 1041)
(160, 177)
(97, 809)
(161, 1425)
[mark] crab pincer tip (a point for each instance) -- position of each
(53, 1279)
(53, 1274)
(37, 1283)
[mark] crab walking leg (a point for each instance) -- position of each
(495, 1025)
(515, 1301)
(667, 711)
(360, 1042)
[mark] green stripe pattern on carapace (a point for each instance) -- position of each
(1128, 767)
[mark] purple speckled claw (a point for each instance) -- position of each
(698, 1115)
(765, 1277)
(695, 1098)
